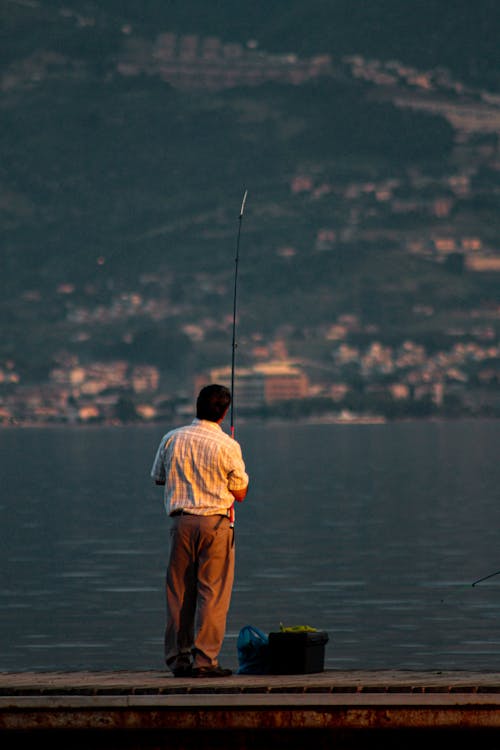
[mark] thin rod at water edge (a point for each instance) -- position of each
(235, 293)
(485, 578)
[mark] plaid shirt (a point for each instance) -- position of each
(199, 465)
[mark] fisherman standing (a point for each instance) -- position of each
(203, 472)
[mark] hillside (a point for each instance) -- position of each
(120, 195)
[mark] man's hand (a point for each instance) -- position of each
(239, 495)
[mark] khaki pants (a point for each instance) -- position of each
(199, 582)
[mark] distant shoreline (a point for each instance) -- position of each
(271, 421)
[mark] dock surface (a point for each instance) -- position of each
(328, 709)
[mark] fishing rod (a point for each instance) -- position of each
(234, 307)
(233, 352)
(486, 577)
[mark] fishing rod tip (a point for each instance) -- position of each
(243, 203)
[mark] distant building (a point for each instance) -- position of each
(483, 263)
(325, 239)
(283, 381)
(399, 391)
(88, 413)
(338, 391)
(145, 378)
(146, 411)
(261, 385)
(248, 387)
(203, 63)
(188, 47)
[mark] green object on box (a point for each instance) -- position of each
(297, 629)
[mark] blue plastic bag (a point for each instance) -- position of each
(253, 651)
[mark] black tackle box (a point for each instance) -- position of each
(299, 652)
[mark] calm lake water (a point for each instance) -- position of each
(373, 533)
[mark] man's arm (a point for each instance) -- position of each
(158, 469)
(237, 474)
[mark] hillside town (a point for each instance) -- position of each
(375, 380)
(356, 374)
(349, 381)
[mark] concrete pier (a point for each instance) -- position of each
(341, 709)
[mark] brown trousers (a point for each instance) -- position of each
(199, 583)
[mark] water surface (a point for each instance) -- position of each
(373, 533)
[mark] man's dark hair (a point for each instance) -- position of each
(212, 402)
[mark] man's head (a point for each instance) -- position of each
(213, 402)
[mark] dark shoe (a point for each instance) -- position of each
(210, 672)
(185, 670)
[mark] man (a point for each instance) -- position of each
(203, 472)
